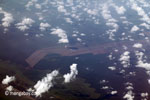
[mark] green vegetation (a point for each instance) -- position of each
(22, 82)
(75, 90)
(25, 78)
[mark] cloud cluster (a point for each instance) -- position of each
(144, 96)
(8, 79)
(141, 62)
(110, 21)
(125, 59)
(129, 95)
(8, 18)
(30, 3)
(140, 12)
(137, 45)
(61, 9)
(43, 26)
(72, 75)
(68, 20)
(45, 84)
(60, 33)
(134, 29)
(25, 24)
(120, 10)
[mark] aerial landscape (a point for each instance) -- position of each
(74, 50)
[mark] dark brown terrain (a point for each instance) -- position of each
(34, 58)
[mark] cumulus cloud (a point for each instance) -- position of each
(144, 96)
(38, 6)
(110, 56)
(72, 75)
(43, 26)
(139, 55)
(79, 39)
(145, 25)
(8, 18)
(120, 10)
(129, 95)
(112, 68)
(141, 63)
(140, 11)
(60, 33)
(105, 87)
(45, 84)
(68, 20)
(103, 81)
(134, 28)
(92, 12)
(144, 65)
(30, 3)
(25, 24)
(125, 59)
(137, 45)
(8, 79)
(113, 92)
(110, 21)
(61, 9)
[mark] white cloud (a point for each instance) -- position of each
(125, 59)
(60, 33)
(92, 12)
(79, 39)
(68, 20)
(25, 24)
(61, 9)
(110, 21)
(140, 11)
(38, 6)
(139, 55)
(134, 28)
(103, 81)
(141, 63)
(8, 18)
(112, 68)
(43, 26)
(9, 88)
(105, 87)
(137, 45)
(30, 3)
(144, 95)
(45, 84)
(110, 56)
(145, 25)
(148, 81)
(113, 92)
(120, 10)
(72, 75)
(129, 88)
(129, 95)
(8, 79)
